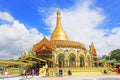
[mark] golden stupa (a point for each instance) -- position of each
(59, 33)
(63, 52)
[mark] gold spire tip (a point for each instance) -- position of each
(58, 12)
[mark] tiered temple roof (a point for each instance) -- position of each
(43, 44)
(93, 50)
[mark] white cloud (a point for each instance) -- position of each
(6, 16)
(82, 23)
(15, 37)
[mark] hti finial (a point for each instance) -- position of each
(58, 12)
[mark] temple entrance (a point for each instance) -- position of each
(72, 62)
(61, 61)
(43, 51)
(82, 64)
(47, 58)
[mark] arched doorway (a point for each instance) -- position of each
(72, 62)
(61, 61)
(82, 62)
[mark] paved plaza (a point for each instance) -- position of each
(73, 77)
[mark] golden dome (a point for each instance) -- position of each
(59, 33)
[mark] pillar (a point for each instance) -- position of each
(56, 62)
(77, 62)
(68, 63)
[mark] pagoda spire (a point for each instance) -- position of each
(58, 18)
(92, 49)
(59, 33)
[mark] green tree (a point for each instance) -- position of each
(105, 57)
(115, 54)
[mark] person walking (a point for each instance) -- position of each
(69, 72)
(117, 71)
(6, 72)
(33, 72)
(26, 73)
(105, 72)
(23, 73)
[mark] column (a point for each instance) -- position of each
(77, 63)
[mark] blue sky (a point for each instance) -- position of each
(28, 12)
(24, 23)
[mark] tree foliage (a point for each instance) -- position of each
(115, 54)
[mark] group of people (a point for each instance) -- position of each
(4, 72)
(26, 73)
(61, 72)
(117, 70)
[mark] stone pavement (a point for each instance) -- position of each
(73, 77)
(81, 77)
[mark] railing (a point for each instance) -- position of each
(93, 70)
(87, 69)
(14, 71)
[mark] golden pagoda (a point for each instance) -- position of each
(60, 51)
(59, 33)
